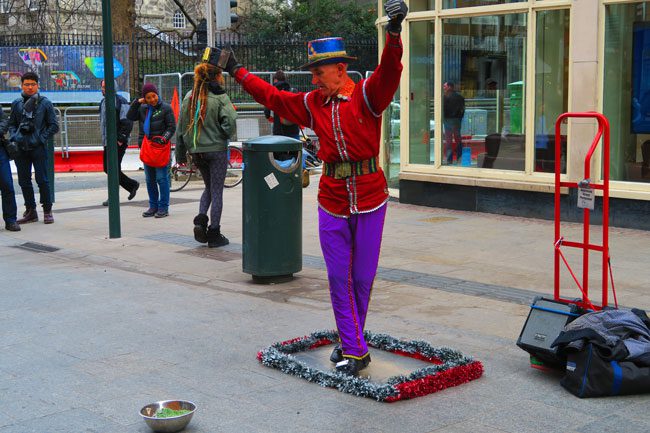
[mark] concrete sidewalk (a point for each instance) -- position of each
(100, 327)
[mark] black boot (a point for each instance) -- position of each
(201, 228)
(215, 238)
(352, 366)
(337, 354)
(29, 216)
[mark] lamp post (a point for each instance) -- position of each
(111, 121)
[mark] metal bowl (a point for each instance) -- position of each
(171, 424)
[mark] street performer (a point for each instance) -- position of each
(352, 194)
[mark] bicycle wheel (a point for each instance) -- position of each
(180, 174)
(234, 173)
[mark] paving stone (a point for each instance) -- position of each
(63, 422)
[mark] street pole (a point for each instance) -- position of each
(209, 13)
(111, 122)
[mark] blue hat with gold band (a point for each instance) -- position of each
(326, 51)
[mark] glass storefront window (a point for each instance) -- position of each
(551, 85)
(421, 5)
(421, 102)
(626, 90)
(451, 4)
(483, 71)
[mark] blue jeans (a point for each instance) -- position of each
(9, 208)
(158, 184)
(452, 133)
(24, 161)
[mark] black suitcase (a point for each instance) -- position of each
(546, 319)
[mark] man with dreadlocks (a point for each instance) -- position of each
(206, 123)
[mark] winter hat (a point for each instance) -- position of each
(148, 88)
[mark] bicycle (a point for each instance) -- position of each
(182, 173)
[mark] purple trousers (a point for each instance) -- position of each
(351, 251)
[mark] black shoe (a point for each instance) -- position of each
(105, 203)
(215, 238)
(352, 366)
(133, 191)
(149, 212)
(161, 214)
(337, 354)
(201, 228)
(12, 227)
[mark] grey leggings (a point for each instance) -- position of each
(213, 166)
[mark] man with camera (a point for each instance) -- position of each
(7, 152)
(31, 124)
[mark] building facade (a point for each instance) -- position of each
(473, 125)
(84, 16)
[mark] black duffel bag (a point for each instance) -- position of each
(590, 374)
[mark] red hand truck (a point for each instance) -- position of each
(548, 317)
(585, 245)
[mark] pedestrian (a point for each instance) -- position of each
(282, 126)
(453, 111)
(124, 127)
(206, 123)
(7, 152)
(32, 123)
(157, 123)
(352, 194)
(285, 127)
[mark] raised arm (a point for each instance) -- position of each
(383, 83)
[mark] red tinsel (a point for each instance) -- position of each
(437, 382)
(419, 356)
(321, 342)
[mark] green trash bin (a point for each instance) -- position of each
(272, 208)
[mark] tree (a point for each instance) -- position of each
(307, 19)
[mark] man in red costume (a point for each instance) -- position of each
(352, 194)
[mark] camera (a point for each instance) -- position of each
(26, 126)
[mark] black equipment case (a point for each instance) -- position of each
(546, 319)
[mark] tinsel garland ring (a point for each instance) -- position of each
(448, 367)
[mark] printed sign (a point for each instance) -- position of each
(271, 181)
(586, 197)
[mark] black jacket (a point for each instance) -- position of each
(292, 130)
(124, 125)
(163, 122)
(44, 121)
(4, 124)
(454, 106)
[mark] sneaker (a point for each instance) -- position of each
(133, 191)
(201, 228)
(337, 354)
(29, 216)
(105, 203)
(12, 227)
(149, 212)
(161, 214)
(48, 218)
(352, 366)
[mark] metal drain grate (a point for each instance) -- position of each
(36, 247)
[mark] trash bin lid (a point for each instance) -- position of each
(272, 143)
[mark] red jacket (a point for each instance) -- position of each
(348, 127)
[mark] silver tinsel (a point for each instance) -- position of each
(279, 356)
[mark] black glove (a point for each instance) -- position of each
(159, 140)
(12, 148)
(396, 10)
(233, 64)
